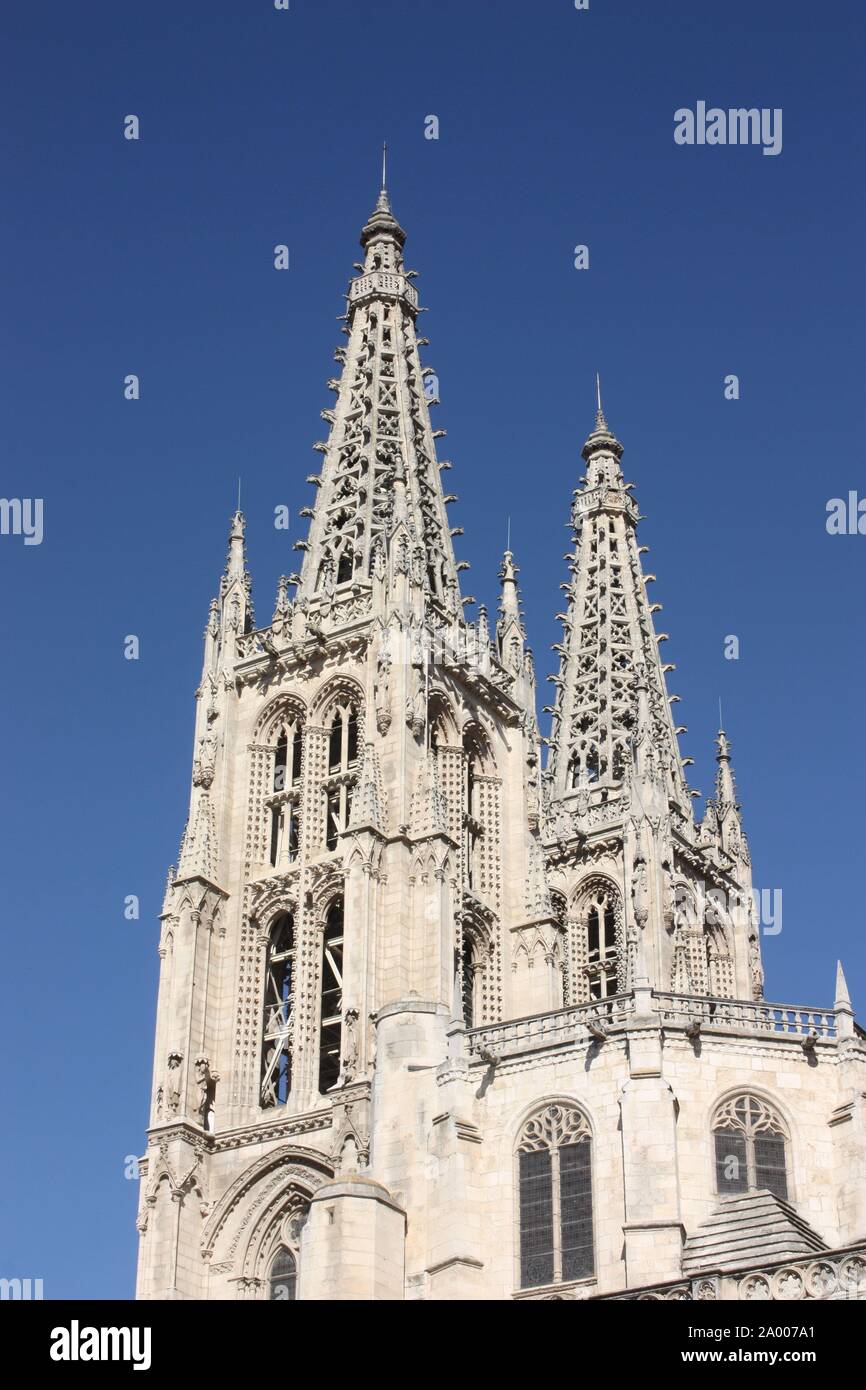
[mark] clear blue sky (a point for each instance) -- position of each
(259, 127)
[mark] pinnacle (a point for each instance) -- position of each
(843, 998)
(602, 436)
(382, 221)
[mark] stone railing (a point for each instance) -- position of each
(745, 1015)
(383, 282)
(835, 1274)
(730, 1016)
(551, 1030)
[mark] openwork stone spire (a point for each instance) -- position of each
(380, 436)
(611, 707)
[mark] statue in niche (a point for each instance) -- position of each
(350, 1044)
(415, 707)
(756, 972)
(206, 1083)
(373, 1039)
(640, 893)
(382, 686)
(632, 948)
(172, 1084)
(205, 762)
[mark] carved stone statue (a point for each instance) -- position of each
(382, 687)
(350, 1044)
(206, 1083)
(172, 1085)
(756, 971)
(640, 893)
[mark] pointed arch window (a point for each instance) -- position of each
(469, 970)
(555, 1216)
(750, 1147)
(279, 1009)
(345, 565)
(599, 947)
(477, 763)
(283, 804)
(342, 771)
(331, 998)
(282, 1268)
(283, 1277)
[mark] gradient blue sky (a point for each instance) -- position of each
(259, 127)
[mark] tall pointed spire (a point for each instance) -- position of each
(609, 656)
(380, 456)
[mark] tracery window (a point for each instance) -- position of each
(600, 922)
(554, 1162)
(283, 1276)
(750, 1147)
(282, 1281)
(331, 998)
(342, 771)
(278, 1020)
(283, 804)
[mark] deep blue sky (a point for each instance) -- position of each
(155, 257)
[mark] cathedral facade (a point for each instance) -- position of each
(448, 1010)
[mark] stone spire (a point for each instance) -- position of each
(611, 706)
(511, 647)
(429, 817)
(726, 809)
(842, 997)
(380, 473)
(726, 794)
(368, 800)
(235, 600)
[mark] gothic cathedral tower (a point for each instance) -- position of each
(436, 1022)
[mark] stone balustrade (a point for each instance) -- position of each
(753, 1018)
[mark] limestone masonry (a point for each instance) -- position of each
(439, 1021)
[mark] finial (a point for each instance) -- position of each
(600, 422)
(721, 720)
(508, 536)
(843, 998)
(239, 494)
(384, 163)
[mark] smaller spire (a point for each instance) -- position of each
(428, 809)
(281, 606)
(368, 799)
(236, 559)
(600, 422)
(843, 998)
(725, 791)
(382, 221)
(509, 604)
(602, 437)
